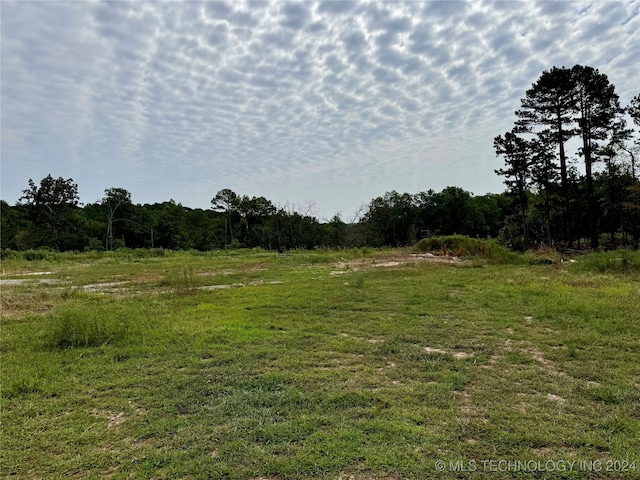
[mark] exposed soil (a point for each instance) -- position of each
(357, 264)
(19, 281)
(456, 355)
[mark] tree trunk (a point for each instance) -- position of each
(593, 216)
(564, 183)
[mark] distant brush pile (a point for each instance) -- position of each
(463, 246)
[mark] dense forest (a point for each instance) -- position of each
(586, 199)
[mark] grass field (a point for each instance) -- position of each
(361, 364)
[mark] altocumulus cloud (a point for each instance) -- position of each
(335, 102)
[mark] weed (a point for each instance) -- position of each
(181, 280)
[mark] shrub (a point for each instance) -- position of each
(7, 253)
(95, 245)
(234, 244)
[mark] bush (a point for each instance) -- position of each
(459, 245)
(7, 253)
(234, 245)
(95, 245)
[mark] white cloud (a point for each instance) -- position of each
(335, 101)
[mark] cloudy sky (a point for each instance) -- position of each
(333, 103)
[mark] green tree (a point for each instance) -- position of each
(597, 113)
(544, 175)
(632, 210)
(547, 111)
(11, 222)
(492, 209)
(51, 206)
(254, 215)
(114, 198)
(337, 232)
(392, 219)
(518, 176)
(634, 109)
(632, 150)
(456, 212)
(227, 202)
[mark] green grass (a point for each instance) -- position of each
(623, 261)
(293, 372)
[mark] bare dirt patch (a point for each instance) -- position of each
(346, 266)
(19, 281)
(555, 398)
(538, 357)
(118, 418)
(228, 271)
(456, 354)
(391, 263)
(254, 283)
(434, 350)
(27, 274)
(554, 452)
(96, 287)
(461, 355)
(368, 476)
(113, 419)
(434, 258)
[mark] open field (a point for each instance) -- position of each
(374, 364)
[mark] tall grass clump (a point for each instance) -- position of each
(181, 281)
(463, 246)
(358, 281)
(614, 261)
(86, 327)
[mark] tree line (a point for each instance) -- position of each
(49, 214)
(547, 201)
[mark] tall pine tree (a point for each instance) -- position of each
(598, 115)
(547, 111)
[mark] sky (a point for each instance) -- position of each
(318, 107)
